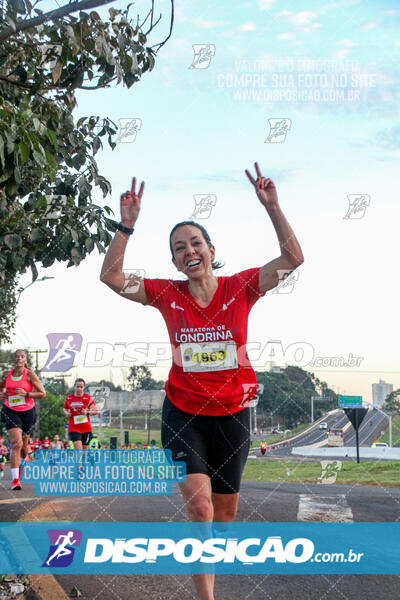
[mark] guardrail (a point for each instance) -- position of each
(378, 452)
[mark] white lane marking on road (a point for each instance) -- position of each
(17, 499)
(324, 508)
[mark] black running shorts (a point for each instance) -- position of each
(23, 419)
(85, 438)
(217, 446)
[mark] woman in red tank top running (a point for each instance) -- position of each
(211, 383)
(20, 387)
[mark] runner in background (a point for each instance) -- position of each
(21, 387)
(31, 449)
(205, 419)
(78, 407)
(3, 457)
(46, 443)
(36, 445)
(94, 443)
(56, 444)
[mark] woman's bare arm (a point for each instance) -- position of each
(127, 285)
(291, 255)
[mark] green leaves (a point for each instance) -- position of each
(52, 137)
(2, 159)
(18, 6)
(13, 241)
(24, 151)
(76, 256)
(89, 244)
(48, 171)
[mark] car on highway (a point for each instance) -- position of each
(379, 445)
(323, 425)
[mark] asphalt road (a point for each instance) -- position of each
(371, 428)
(260, 501)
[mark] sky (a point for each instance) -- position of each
(310, 91)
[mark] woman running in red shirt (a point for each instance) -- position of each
(205, 418)
(22, 387)
(78, 407)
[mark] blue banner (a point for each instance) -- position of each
(164, 548)
(103, 472)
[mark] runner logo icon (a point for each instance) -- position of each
(225, 306)
(174, 305)
(62, 547)
(63, 347)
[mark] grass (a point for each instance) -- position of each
(135, 435)
(140, 435)
(382, 473)
(275, 438)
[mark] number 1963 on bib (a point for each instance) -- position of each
(209, 356)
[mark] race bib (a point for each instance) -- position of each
(209, 356)
(78, 419)
(16, 400)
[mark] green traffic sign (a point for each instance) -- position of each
(350, 401)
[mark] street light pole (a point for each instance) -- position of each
(327, 398)
(37, 403)
(390, 423)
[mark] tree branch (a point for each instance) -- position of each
(96, 87)
(26, 86)
(161, 44)
(52, 15)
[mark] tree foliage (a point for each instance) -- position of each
(48, 171)
(105, 383)
(51, 416)
(392, 402)
(7, 359)
(287, 396)
(140, 378)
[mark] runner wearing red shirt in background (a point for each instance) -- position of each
(211, 383)
(36, 444)
(78, 407)
(21, 387)
(46, 443)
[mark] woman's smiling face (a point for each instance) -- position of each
(20, 358)
(192, 255)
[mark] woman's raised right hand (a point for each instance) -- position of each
(130, 204)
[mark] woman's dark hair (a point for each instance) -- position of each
(79, 379)
(216, 264)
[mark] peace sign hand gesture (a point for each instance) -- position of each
(130, 204)
(265, 189)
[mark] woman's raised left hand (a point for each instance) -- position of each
(265, 188)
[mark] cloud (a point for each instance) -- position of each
(286, 36)
(389, 138)
(247, 27)
(348, 43)
(203, 24)
(266, 4)
(341, 54)
(304, 20)
(369, 25)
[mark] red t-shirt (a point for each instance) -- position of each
(211, 373)
(46, 444)
(75, 404)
